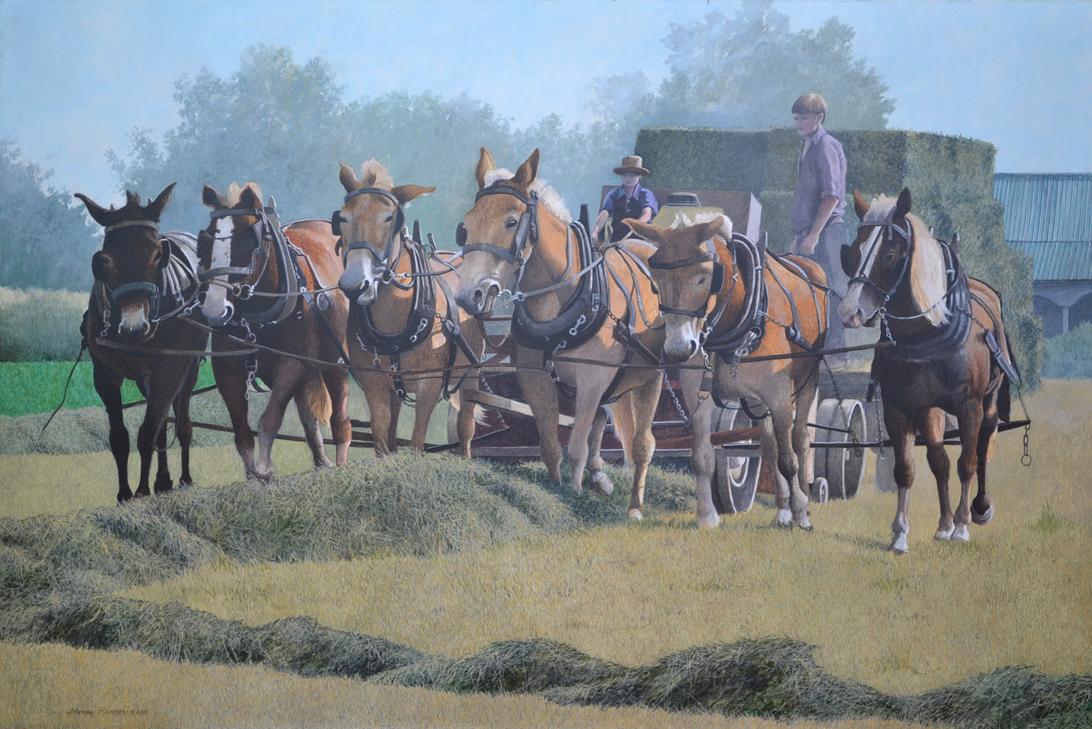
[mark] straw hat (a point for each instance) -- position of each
(631, 163)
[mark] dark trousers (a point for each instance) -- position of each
(828, 255)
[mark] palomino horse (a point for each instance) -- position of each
(518, 238)
(396, 320)
(261, 287)
(949, 354)
(142, 281)
(720, 292)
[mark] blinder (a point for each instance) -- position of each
(526, 228)
(165, 253)
(716, 281)
(851, 259)
(336, 219)
(460, 234)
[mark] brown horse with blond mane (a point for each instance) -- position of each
(274, 288)
(143, 280)
(402, 312)
(569, 304)
(713, 284)
(948, 353)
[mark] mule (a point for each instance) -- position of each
(569, 303)
(275, 288)
(720, 293)
(949, 354)
(143, 280)
(402, 313)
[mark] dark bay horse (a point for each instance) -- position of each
(718, 292)
(950, 354)
(143, 280)
(254, 272)
(402, 312)
(569, 304)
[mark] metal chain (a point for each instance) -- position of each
(675, 399)
(487, 388)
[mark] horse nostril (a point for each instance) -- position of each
(477, 297)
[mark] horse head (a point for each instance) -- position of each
(131, 258)
(371, 227)
(496, 235)
(689, 275)
(233, 250)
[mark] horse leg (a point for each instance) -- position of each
(108, 387)
(901, 432)
(702, 457)
(781, 416)
(466, 425)
(931, 426)
(981, 507)
(337, 385)
(379, 410)
(645, 399)
(622, 412)
(285, 381)
(541, 394)
(309, 405)
(970, 427)
(428, 394)
(805, 409)
(588, 397)
(164, 384)
(183, 424)
(230, 374)
(396, 410)
(599, 479)
(163, 481)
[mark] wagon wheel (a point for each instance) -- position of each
(842, 467)
(735, 478)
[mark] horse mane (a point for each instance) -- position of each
(235, 191)
(547, 195)
(928, 269)
(374, 174)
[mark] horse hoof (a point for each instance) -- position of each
(944, 534)
(635, 515)
(979, 515)
(163, 486)
(184, 484)
(709, 521)
(124, 496)
(803, 522)
(142, 492)
(961, 534)
(899, 544)
(601, 483)
(783, 518)
(263, 477)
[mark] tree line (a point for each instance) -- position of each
(286, 124)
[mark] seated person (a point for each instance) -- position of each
(628, 201)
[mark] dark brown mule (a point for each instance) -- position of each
(518, 238)
(254, 273)
(943, 326)
(142, 280)
(401, 316)
(705, 292)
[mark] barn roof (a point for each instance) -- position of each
(1049, 217)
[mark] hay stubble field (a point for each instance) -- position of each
(1019, 594)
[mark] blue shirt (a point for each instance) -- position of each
(622, 206)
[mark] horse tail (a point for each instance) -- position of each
(316, 399)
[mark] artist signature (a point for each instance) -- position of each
(101, 711)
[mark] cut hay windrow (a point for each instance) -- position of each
(59, 574)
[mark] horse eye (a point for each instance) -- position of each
(389, 218)
(511, 223)
(701, 280)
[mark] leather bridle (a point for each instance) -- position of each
(715, 283)
(526, 229)
(384, 263)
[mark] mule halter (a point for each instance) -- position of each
(715, 283)
(527, 228)
(385, 263)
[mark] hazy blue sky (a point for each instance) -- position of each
(76, 77)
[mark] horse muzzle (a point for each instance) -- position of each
(480, 300)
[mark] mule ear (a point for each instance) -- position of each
(720, 225)
(97, 212)
(860, 205)
(211, 198)
(486, 164)
(527, 171)
(406, 193)
(155, 207)
(251, 196)
(348, 178)
(645, 230)
(902, 205)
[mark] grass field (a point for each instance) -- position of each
(1019, 594)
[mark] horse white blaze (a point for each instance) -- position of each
(851, 309)
(215, 307)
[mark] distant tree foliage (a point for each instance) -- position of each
(46, 241)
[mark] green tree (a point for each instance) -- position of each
(46, 241)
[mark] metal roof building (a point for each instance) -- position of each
(1049, 218)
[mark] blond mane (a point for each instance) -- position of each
(374, 174)
(235, 191)
(928, 274)
(547, 195)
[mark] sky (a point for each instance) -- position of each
(77, 77)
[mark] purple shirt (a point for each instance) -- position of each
(622, 206)
(822, 172)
